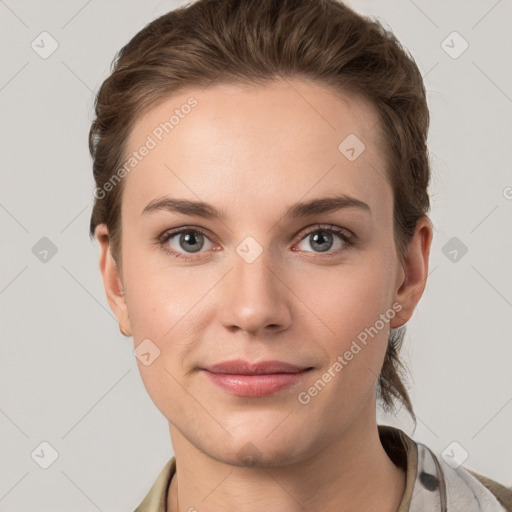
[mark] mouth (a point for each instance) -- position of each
(245, 379)
(241, 367)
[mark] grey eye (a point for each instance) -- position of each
(189, 241)
(322, 240)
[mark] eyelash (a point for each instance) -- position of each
(163, 239)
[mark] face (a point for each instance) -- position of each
(254, 277)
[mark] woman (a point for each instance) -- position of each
(253, 131)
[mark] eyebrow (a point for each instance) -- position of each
(297, 210)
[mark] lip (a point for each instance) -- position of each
(241, 367)
(242, 378)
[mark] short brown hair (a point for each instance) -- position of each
(255, 42)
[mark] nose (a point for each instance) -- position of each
(255, 297)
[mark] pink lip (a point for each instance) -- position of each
(242, 378)
(241, 367)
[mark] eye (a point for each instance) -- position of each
(323, 238)
(190, 240)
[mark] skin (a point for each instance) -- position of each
(253, 151)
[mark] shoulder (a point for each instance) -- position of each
(461, 488)
(156, 499)
(437, 483)
(502, 493)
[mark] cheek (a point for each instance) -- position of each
(357, 311)
(352, 297)
(355, 303)
(157, 295)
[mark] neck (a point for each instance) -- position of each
(353, 472)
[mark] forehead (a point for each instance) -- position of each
(270, 142)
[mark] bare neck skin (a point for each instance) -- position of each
(354, 472)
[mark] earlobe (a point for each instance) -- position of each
(415, 272)
(112, 280)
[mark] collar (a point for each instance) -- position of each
(403, 452)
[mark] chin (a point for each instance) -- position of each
(258, 449)
(258, 456)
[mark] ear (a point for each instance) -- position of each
(413, 276)
(112, 279)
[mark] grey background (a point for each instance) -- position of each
(67, 375)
